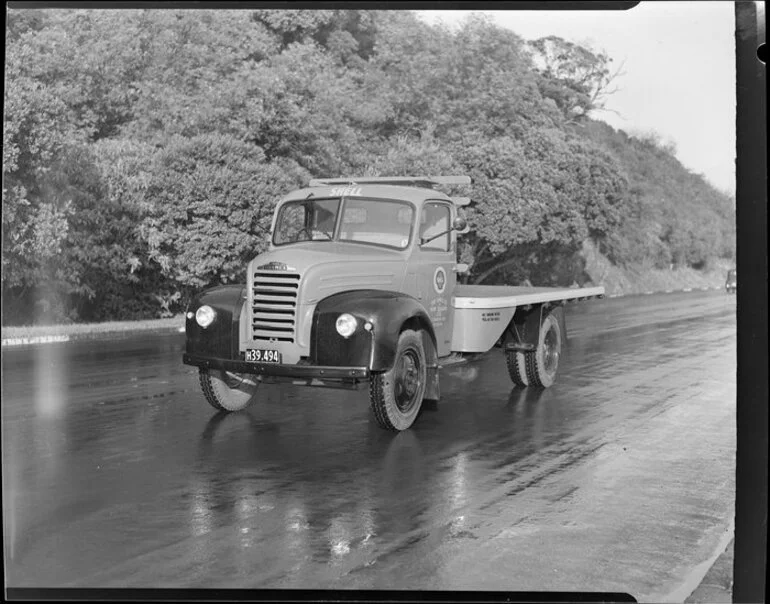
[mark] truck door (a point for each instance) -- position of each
(432, 268)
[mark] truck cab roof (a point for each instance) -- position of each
(415, 189)
(414, 194)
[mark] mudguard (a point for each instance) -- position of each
(388, 312)
(220, 339)
(524, 329)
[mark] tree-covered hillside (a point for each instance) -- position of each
(673, 216)
(144, 150)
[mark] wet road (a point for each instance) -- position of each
(620, 477)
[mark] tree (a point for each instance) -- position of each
(210, 201)
(302, 106)
(193, 70)
(547, 190)
(346, 34)
(36, 132)
(412, 153)
(111, 255)
(576, 78)
(479, 78)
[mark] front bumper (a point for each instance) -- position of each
(278, 370)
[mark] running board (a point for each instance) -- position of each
(520, 346)
(457, 358)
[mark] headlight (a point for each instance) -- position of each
(205, 316)
(346, 325)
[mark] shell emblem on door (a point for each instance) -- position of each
(439, 280)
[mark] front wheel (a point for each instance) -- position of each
(396, 395)
(543, 362)
(227, 391)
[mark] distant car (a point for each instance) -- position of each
(732, 281)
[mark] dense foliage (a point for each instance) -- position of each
(673, 216)
(144, 150)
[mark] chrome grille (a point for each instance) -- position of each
(274, 306)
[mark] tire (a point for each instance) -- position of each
(517, 369)
(543, 363)
(226, 391)
(396, 395)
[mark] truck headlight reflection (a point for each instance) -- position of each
(205, 315)
(346, 325)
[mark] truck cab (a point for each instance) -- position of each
(331, 238)
(359, 284)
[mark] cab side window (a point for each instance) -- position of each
(435, 220)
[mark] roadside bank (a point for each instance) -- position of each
(41, 334)
(618, 281)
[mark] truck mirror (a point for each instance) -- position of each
(459, 224)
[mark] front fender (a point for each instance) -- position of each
(220, 339)
(387, 312)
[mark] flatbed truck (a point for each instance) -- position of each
(359, 285)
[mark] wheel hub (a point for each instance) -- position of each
(551, 351)
(233, 380)
(407, 380)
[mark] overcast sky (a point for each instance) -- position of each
(679, 71)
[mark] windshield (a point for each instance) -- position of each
(372, 221)
(306, 220)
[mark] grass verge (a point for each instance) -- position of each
(89, 329)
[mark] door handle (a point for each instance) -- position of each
(460, 268)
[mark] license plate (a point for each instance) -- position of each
(263, 356)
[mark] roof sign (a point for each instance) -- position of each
(409, 181)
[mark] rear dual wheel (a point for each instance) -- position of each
(538, 367)
(517, 367)
(543, 363)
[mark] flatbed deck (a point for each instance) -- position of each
(503, 296)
